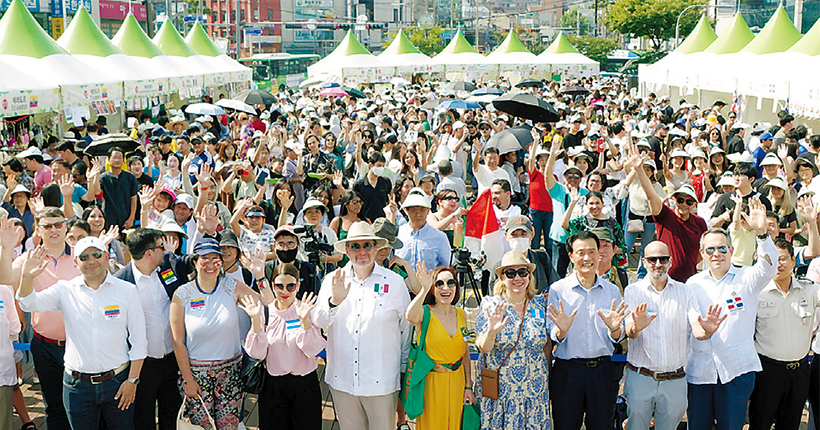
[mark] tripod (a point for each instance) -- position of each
(464, 275)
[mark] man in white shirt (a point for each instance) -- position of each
(105, 335)
(502, 202)
(721, 370)
(489, 172)
(157, 393)
(449, 181)
(655, 384)
(362, 308)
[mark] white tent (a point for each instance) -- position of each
(22, 94)
(353, 62)
(406, 58)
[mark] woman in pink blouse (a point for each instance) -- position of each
(289, 342)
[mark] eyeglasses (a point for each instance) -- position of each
(96, 254)
(522, 272)
(449, 198)
(655, 260)
(682, 200)
(58, 224)
(573, 176)
(356, 247)
(214, 260)
(357, 201)
(450, 283)
(721, 249)
(484, 128)
(291, 287)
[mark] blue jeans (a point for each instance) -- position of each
(726, 403)
(560, 258)
(648, 235)
(541, 222)
(86, 402)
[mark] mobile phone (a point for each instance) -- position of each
(600, 145)
(400, 270)
(242, 172)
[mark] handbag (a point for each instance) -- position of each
(470, 418)
(634, 226)
(253, 374)
(183, 424)
(419, 364)
(489, 377)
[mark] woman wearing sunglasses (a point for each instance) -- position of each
(448, 216)
(288, 342)
(511, 332)
(447, 344)
(205, 332)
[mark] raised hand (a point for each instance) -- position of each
(146, 196)
(497, 318)
(615, 316)
(640, 317)
(561, 319)
(170, 243)
(737, 197)
(108, 236)
(9, 233)
(757, 216)
(66, 185)
(257, 263)
(574, 195)
(287, 202)
(97, 167)
(208, 219)
(11, 181)
(338, 179)
(251, 306)
(37, 204)
(34, 262)
(425, 277)
(712, 321)
(304, 306)
(806, 208)
(205, 173)
(339, 287)
(187, 162)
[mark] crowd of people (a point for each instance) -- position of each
(149, 281)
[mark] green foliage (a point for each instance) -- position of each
(530, 39)
(651, 19)
(427, 39)
(573, 19)
(596, 48)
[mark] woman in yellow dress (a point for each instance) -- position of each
(449, 386)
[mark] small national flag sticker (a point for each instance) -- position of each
(381, 288)
(112, 311)
(168, 276)
(292, 324)
(2, 306)
(198, 304)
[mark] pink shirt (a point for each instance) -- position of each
(289, 349)
(41, 178)
(50, 324)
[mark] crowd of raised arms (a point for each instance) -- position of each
(658, 266)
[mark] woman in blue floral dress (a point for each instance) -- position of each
(523, 389)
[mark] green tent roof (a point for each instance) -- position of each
(561, 45)
(21, 35)
(401, 45)
(810, 43)
(349, 46)
(84, 37)
(458, 45)
(699, 39)
(171, 43)
(733, 39)
(199, 41)
(511, 44)
(778, 35)
(131, 40)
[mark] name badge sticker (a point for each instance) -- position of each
(536, 313)
(734, 303)
(198, 304)
(112, 311)
(293, 324)
(168, 276)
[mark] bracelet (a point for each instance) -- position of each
(613, 331)
(204, 188)
(468, 388)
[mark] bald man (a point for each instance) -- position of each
(665, 313)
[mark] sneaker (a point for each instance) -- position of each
(403, 427)
(19, 382)
(35, 380)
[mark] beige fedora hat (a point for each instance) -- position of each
(360, 230)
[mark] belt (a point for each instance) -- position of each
(167, 356)
(453, 366)
(48, 340)
(789, 365)
(588, 362)
(99, 378)
(658, 376)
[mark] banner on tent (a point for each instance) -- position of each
(85, 94)
(805, 98)
(14, 103)
(366, 74)
(146, 88)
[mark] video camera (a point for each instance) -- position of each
(311, 242)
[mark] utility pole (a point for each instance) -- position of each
(237, 36)
(798, 15)
(578, 22)
(595, 21)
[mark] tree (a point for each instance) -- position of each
(530, 39)
(651, 19)
(428, 40)
(595, 47)
(575, 20)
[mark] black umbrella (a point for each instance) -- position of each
(354, 92)
(255, 97)
(511, 139)
(574, 90)
(529, 82)
(463, 86)
(527, 106)
(101, 146)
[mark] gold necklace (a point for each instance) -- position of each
(516, 304)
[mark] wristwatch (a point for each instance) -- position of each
(763, 236)
(134, 381)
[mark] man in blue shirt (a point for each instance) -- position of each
(422, 242)
(586, 314)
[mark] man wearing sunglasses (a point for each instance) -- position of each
(422, 241)
(655, 384)
(362, 307)
(103, 364)
(721, 370)
(680, 229)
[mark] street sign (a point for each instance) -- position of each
(311, 24)
(253, 31)
(194, 18)
(361, 20)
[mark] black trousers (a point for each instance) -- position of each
(48, 361)
(814, 391)
(158, 394)
(780, 392)
(582, 395)
(291, 402)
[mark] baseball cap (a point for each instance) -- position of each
(207, 246)
(285, 229)
(766, 136)
(688, 190)
(187, 199)
(603, 233)
(519, 222)
(771, 159)
(89, 242)
(416, 200)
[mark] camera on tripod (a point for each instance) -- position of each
(312, 246)
(462, 256)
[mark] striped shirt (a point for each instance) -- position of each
(662, 345)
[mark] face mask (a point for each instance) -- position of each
(287, 256)
(520, 244)
(378, 170)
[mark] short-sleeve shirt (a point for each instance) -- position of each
(248, 240)
(375, 198)
(485, 177)
(211, 320)
(117, 193)
(683, 240)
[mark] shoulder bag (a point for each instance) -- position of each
(489, 377)
(419, 364)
